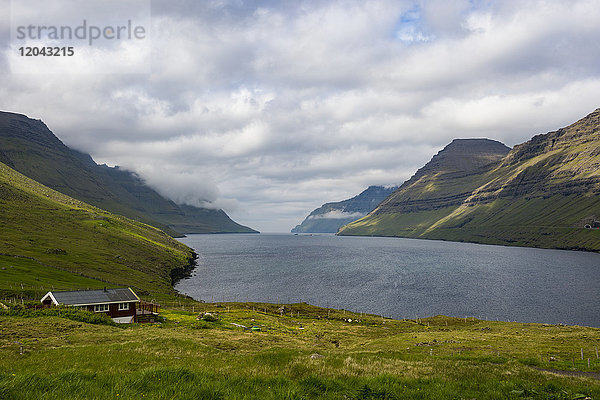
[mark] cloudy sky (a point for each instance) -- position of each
(268, 109)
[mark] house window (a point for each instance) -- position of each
(101, 307)
(123, 306)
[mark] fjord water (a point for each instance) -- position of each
(398, 277)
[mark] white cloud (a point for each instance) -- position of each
(337, 214)
(270, 109)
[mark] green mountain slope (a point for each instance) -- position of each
(332, 216)
(50, 240)
(542, 194)
(29, 147)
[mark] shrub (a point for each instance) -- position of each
(208, 317)
(202, 325)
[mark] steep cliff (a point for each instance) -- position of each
(448, 179)
(543, 193)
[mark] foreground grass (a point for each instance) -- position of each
(303, 352)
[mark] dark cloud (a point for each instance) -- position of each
(271, 108)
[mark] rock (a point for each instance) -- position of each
(316, 356)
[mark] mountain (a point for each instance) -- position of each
(50, 240)
(448, 179)
(29, 147)
(543, 193)
(331, 216)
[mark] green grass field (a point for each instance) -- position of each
(307, 353)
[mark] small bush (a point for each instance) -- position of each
(202, 325)
(208, 317)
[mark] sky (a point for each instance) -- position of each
(268, 109)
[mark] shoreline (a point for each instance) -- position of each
(570, 248)
(185, 271)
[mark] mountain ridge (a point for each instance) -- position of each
(28, 146)
(543, 193)
(462, 159)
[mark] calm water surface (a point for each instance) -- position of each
(399, 277)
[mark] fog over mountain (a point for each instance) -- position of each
(269, 109)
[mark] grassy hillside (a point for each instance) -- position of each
(542, 194)
(548, 223)
(50, 240)
(307, 353)
(29, 147)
